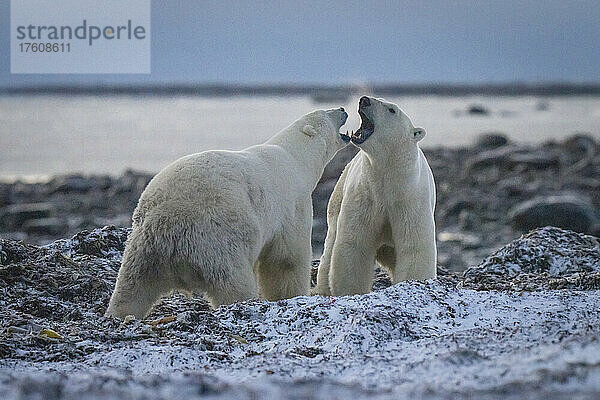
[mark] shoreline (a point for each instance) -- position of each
(325, 92)
(488, 193)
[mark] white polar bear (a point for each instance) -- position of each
(381, 209)
(232, 224)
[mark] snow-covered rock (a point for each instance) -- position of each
(549, 257)
(431, 340)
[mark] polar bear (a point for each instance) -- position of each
(381, 208)
(231, 224)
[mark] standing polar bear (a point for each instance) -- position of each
(381, 209)
(232, 224)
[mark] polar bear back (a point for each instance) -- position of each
(241, 183)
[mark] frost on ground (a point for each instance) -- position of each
(434, 339)
(546, 258)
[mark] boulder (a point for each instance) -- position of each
(563, 211)
(45, 226)
(511, 156)
(15, 215)
(546, 258)
(78, 183)
(5, 192)
(477, 109)
(492, 140)
(580, 144)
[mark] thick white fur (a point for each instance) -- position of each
(232, 224)
(381, 210)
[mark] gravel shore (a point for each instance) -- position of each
(514, 313)
(491, 333)
(487, 194)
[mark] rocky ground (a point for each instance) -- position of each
(525, 322)
(488, 194)
(509, 316)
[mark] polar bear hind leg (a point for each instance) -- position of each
(284, 279)
(195, 254)
(139, 284)
(233, 289)
(283, 270)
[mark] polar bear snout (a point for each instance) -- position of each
(338, 115)
(367, 126)
(344, 115)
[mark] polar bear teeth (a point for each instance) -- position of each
(351, 134)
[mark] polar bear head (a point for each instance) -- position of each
(322, 127)
(384, 126)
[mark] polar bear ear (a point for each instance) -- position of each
(309, 130)
(418, 134)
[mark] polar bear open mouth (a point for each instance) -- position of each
(366, 129)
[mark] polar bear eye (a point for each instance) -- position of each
(392, 110)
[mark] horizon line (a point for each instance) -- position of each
(311, 89)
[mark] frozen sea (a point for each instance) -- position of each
(46, 135)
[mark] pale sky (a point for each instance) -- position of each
(341, 42)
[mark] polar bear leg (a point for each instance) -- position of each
(239, 287)
(412, 266)
(416, 263)
(351, 268)
(284, 279)
(354, 251)
(139, 284)
(333, 212)
(284, 272)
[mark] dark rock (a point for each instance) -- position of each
(456, 205)
(489, 158)
(535, 159)
(15, 215)
(321, 196)
(546, 258)
(45, 226)
(580, 144)
(468, 220)
(78, 183)
(477, 109)
(488, 141)
(131, 182)
(514, 185)
(511, 156)
(102, 242)
(5, 193)
(564, 211)
(381, 279)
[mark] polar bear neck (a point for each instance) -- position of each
(309, 155)
(406, 164)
